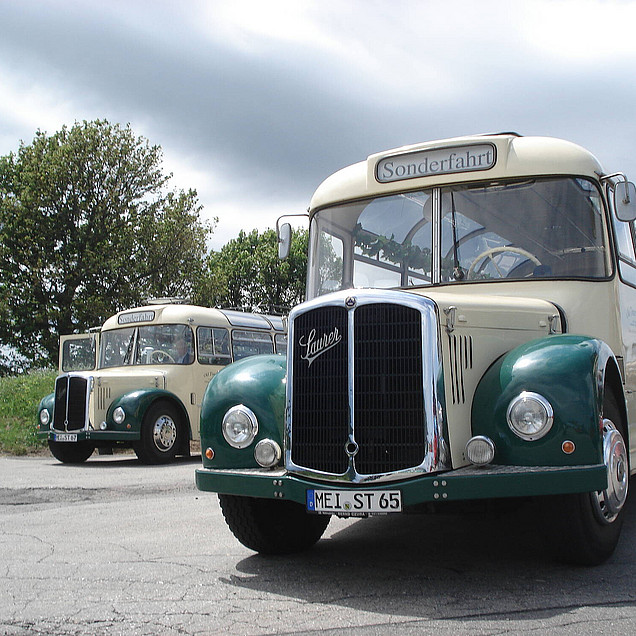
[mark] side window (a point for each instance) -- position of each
(250, 343)
(624, 238)
(78, 354)
(280, 343)
(213, 345)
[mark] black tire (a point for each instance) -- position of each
(161, 433)
(71, 452)
(588, 525)
(272, 526)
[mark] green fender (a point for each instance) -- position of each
(569, 371)
(47, 402)
(136, 404)
(257, 382)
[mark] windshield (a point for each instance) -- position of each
(507, 230)
(154, 344)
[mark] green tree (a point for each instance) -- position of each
(247, 273)
(88, 226)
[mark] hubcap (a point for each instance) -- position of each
(608, 502)
(164, 433)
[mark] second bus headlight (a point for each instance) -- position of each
(530, 416)
(240, 426)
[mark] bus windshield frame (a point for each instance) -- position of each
(539, 227)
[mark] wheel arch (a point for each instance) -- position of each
(613, 382)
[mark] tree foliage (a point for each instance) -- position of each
(247, 274)
(89, 227)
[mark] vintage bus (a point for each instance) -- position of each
(139, 380)
(469, 333)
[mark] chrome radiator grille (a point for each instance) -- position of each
(357, 386)
(388, 394)
(71, 398)
(320, 389)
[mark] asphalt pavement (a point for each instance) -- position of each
(115, 547)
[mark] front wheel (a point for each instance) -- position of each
(588, 525)
(161, 432)
(271, 526)
(71, 452)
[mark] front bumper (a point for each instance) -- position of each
(92, 436)
(486, 482)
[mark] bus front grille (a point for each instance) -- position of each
(71, 400)
(357, 390)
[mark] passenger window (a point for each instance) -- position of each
(213, 345)
(250, 343)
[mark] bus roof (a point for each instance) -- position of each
(471, 158)
(259, 321)
(170, 313)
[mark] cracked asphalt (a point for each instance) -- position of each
(115, 547)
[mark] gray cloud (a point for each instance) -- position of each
(270, 121)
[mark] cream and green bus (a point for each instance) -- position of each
(138, 381)
(469, 333)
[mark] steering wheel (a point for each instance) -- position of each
(500, 250)
(160, 357)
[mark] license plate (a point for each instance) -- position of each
(354, 502)
(65, 437)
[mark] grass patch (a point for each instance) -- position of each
(19, 399)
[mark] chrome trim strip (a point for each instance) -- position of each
(437, 234)
(351, 470)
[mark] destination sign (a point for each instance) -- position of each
(136, 316)
(427, 163)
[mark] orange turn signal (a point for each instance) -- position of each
(209, 453)
(568, 447)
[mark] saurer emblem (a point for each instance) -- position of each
(316, 346)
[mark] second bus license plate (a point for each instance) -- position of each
(65, 437)
(354, 502)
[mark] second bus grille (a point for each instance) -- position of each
(70, 403)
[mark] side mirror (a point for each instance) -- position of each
(284, 240)
(625, 201)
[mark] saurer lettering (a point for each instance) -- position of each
(315, 347)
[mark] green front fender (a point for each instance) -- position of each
(136, 404)
(48, 403)
(569, 372)
(257, 382)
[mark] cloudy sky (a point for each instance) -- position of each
(255, 102)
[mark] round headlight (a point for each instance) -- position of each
(530, 416)
(119, 415)
(267, 453)
(45, 417)
(240, 426)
